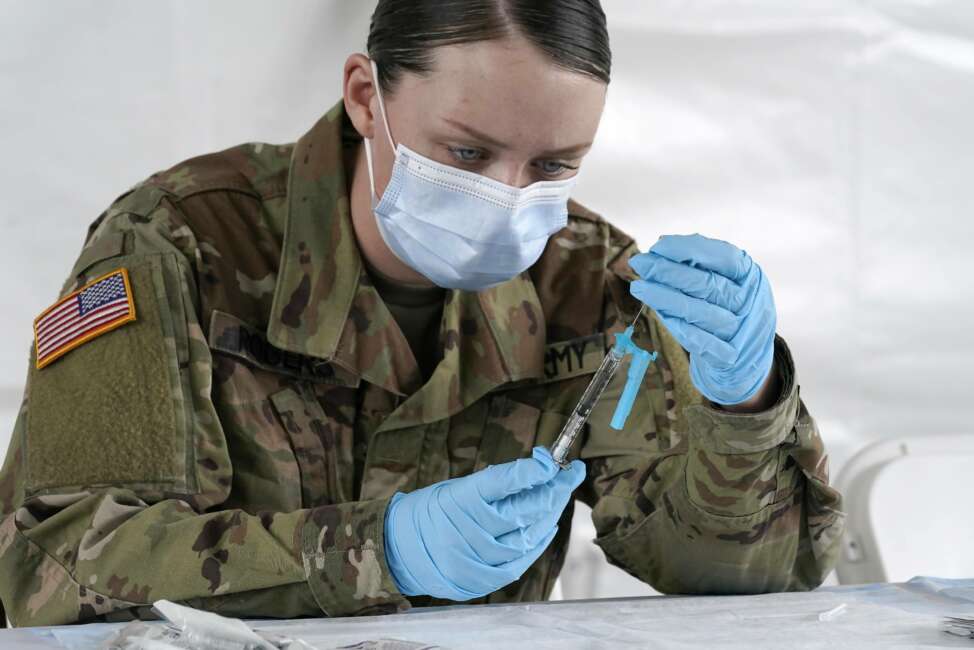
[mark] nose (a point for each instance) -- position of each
(513, 173)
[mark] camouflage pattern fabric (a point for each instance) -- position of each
(249, 471)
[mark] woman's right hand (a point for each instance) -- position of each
(467, 537)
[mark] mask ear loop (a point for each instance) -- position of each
(385, 123)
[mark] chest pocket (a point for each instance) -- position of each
(521, 418)
(291, 417)
(322, 444)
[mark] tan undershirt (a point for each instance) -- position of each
(418, 311)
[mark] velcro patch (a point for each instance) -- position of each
(100, 306)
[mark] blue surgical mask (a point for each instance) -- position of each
(459, 229)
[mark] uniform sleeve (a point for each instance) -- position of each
(692, 499)
(112, 488)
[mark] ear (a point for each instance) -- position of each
(358, 92)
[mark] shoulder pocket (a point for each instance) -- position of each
(115, 410)
(105, 247)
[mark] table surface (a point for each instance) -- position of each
(906, 615)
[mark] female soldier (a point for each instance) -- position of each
(305, 379)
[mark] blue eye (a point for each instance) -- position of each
(466, 154)
(553, 167)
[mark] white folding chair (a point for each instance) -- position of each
(909, 503)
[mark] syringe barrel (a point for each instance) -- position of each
(565, 440)
(563, 443)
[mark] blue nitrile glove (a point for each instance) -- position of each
(717, 303)
(467, 537)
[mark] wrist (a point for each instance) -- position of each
(743, 387)
(765, 398)
(401, 577)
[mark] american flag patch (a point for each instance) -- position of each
(98, 307)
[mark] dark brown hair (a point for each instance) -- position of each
(404, 33)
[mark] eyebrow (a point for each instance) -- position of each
(494, 142)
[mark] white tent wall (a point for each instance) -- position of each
(831, 139)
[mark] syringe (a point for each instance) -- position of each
(593, 392)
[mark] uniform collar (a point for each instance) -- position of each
(326, 307)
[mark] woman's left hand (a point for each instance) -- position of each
(717, 303)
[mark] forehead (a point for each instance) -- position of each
(508, 89)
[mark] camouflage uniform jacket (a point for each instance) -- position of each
(235, 447)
